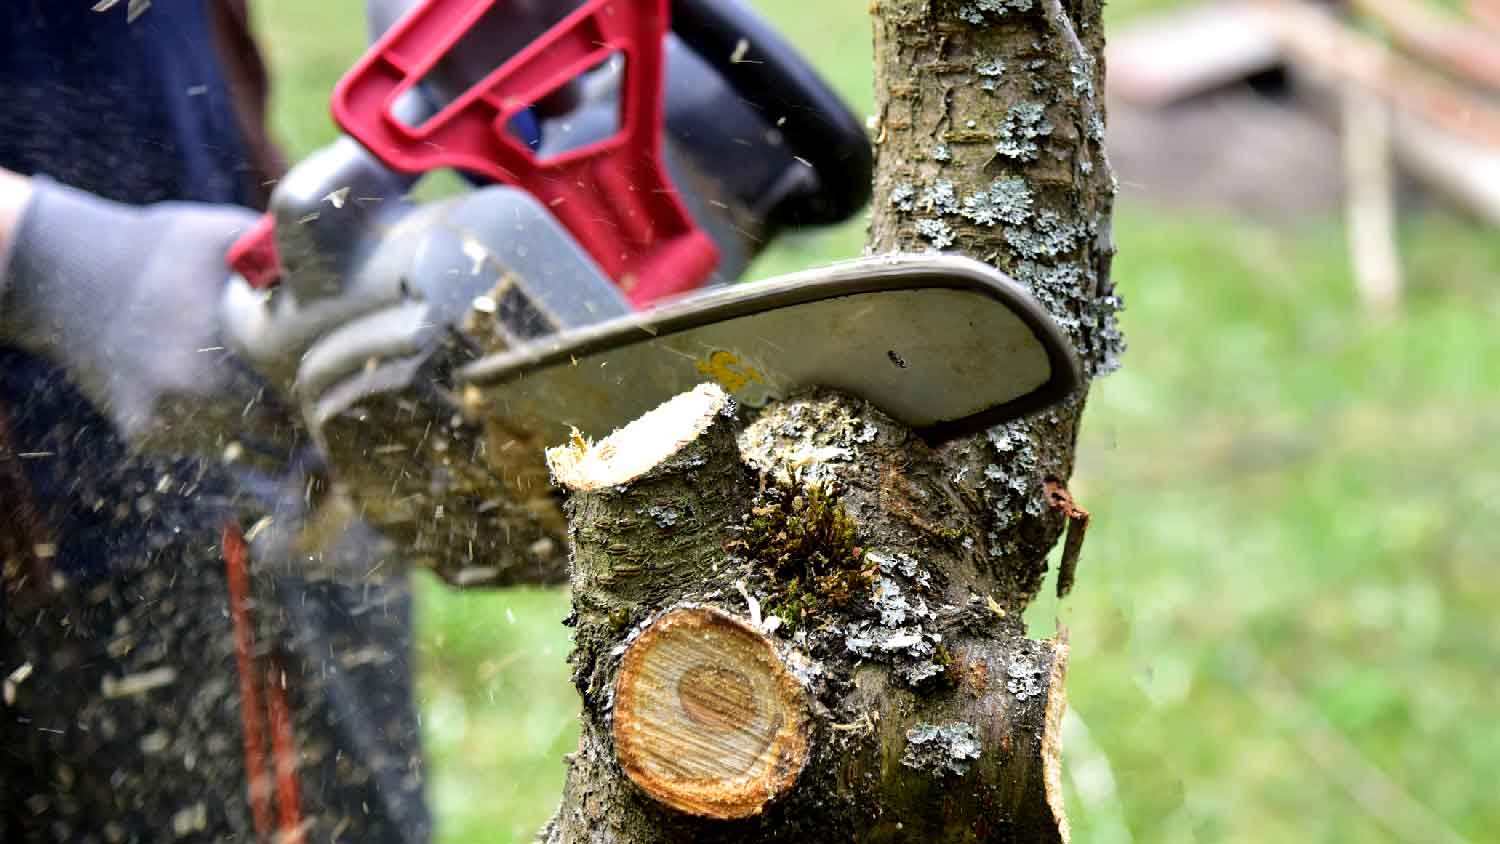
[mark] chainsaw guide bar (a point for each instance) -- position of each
(945, 344)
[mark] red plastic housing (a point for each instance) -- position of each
(614, 196)
(254, 254)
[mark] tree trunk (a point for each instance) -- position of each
(804, 624)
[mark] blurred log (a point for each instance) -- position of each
(1318, 42)
(1463, 172)
(1469, 53)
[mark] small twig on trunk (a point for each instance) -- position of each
(1078, 524)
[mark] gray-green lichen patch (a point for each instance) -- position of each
(904, 564)
(939, 233)
(903, 197)
(1025, 122)
(1111, 339)
(946, 748)
(990, 67)
(975, 12)
(1094, 126)
(893, 606)
(1082, 71)
(1006, 200)
(664, 516)
(1049, 236)
(898, 636)
(1040, 84)
(1028, 675)
(911, 648)
(1011, 484)
(991, 70)
(1053, 286)
(939, 197)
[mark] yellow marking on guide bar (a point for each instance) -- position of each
(728, 371)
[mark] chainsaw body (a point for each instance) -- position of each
(436, 348)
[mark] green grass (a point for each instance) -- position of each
(1287, 620)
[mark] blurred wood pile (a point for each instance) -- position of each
(1280, 106)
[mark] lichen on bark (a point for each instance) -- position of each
(1007, 90)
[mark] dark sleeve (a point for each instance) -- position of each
(249, 86)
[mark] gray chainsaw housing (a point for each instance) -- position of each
(945, 344)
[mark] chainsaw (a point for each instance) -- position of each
(638, 154)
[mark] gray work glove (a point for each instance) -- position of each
(125, 299)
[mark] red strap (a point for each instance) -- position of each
(284, 753)
(288, 824)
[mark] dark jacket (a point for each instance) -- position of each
(122, 719)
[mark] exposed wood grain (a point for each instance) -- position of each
(707, 718)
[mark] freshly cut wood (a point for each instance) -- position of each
(708, 720)
(660, 491)
(637, 448)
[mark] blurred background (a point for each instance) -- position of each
(1287, 619)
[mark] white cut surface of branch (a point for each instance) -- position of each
(635, 449)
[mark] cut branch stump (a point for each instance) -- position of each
(782, 635)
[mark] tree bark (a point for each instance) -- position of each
(804, 624)
(990, 143)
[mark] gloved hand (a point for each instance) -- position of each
(125, 298)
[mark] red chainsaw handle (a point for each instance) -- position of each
(254, 257)
(614, 196)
